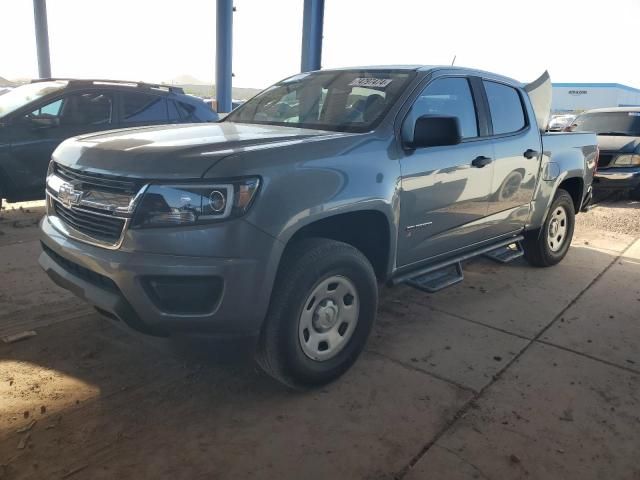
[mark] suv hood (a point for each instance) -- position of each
(171, 151)
(619, 144)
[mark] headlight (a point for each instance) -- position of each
(194, 203)
(627, 160)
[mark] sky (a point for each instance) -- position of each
(154, 40)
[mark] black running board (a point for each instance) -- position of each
(432, 278)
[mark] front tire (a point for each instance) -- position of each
(322, 310)
(548, 245)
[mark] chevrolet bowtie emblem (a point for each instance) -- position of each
(68, 195)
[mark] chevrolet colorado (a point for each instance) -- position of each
(280, 221)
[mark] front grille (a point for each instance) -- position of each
(84, 273)
(96, 181)
(100, 214)
(604, 160)
(101, 227)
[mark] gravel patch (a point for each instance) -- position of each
(614, 214)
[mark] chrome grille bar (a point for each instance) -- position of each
(91, 208)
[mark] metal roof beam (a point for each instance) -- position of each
(312, 24)
(42, 38)
(224, 38)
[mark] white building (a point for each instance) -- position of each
(576, 97)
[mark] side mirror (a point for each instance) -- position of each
(435, 131)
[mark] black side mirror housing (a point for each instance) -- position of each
(435, 131)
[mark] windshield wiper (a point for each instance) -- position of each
(614, 134)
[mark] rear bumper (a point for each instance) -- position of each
(623, 178)
(116, 282)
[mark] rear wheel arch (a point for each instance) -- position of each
(574, 186)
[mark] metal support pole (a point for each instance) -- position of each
(224, 37)
(312, 22)
(42, 38)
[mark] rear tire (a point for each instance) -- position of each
(548, 245)
(324, 290)
(635, 193)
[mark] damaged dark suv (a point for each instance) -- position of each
(618, 131)
(35, 118)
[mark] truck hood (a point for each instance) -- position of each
(619, 144)
(171, 151)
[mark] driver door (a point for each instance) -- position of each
(36, 134)
(445, 194)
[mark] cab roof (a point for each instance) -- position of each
(428, 68)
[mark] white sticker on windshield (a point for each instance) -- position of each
(295, 78)
(634, 114)
(370, 82)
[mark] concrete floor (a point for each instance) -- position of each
(515, 373)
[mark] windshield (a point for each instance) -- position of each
(20, 96)
(609, 123)
(344, 101)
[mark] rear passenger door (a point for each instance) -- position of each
(516, 140)
(443, 200)
(140, 108)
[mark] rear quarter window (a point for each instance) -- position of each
(191, 113)
(140, 107)
(507, 114)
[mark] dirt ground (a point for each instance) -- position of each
(515, 373)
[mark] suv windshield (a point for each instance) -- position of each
(24, 94)
(344, 101)
(609, 123)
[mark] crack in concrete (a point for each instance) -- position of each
(427, 372)
(589, 356)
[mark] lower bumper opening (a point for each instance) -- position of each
(186, 295)
(84, 273)
(122, 311)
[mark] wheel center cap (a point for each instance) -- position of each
(325, 316)
(553, 228)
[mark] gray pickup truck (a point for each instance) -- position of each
(281, 221)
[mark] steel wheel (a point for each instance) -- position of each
(557, 230)
(329, 318)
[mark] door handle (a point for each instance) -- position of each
(529, 154)
(481, 161)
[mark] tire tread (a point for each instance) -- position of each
(303, 255)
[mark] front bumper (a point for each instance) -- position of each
(618, 178)
(115, 282)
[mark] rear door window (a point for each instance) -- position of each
(143, 108)
(507, 114)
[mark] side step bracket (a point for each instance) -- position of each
(506, 253)
(436, 280)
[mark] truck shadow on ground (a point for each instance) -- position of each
(117, 404)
